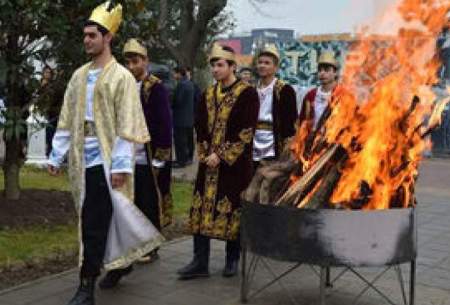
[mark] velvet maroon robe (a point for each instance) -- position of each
(225, 125)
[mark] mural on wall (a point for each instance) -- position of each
(299, 60)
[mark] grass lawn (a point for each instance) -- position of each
(23, 245)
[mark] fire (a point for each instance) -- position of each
(378, 113)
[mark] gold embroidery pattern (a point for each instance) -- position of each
(167, 204)
(202, 150)
(230, 152)
(234, 225)
(195, 218)
(163, 154)
(147, 86)
(218, 112)
(279, 84)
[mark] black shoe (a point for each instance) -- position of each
(231, 268)
(113, 277)
(187, 267)
(85, 293)
(194, 270)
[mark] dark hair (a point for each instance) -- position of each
(243, 69)
(325, 65)
(100, 28)
(275, 59)
(180, 70)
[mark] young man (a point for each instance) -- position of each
(246, 75)
(100, 121)
(317, 100)
(277, 111)
(197, 97)
(225, 123)
(183, 117)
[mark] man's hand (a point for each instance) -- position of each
(118, 180)
(212, 160)
(53, 170)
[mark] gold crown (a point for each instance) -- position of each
(108, 17)
(328, 58)
(134, 46)
(270, 49)
(217, 51)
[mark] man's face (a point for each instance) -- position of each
(176, 75)
(137, 65)
(94, 41)
(327, 74)
(221, 70)
(266, 66)
(246, 76)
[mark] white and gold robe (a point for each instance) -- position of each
(118, 116)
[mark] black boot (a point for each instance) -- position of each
(199, 267)
(113, 277)
(233, 251)
(85, 292)
(231, 268)
(196, 269)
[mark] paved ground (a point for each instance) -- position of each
(157, 284)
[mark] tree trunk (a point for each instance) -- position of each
(11, 169)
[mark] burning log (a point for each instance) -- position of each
(302, 186)
(321, 197)
(365, 193)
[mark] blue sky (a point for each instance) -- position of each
(306, 16)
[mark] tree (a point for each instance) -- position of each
(184, 26)
(23, 26)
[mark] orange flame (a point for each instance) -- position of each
(380, 125)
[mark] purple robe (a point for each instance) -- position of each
(158, 116)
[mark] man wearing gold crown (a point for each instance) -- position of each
(225, 123)
(277, 110)
(152, 175)
(317, 100)
(100, 122)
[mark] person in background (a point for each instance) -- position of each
(197, 96)
(183, 117)
(246, 75)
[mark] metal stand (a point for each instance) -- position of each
(249, 271)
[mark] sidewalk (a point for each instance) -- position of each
(157, 284)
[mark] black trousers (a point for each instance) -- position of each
(202, 248)
(95, 221)
(181, 137)
(191, 146)
(145, 194)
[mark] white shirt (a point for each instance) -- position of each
(264, 143)
(320, 104)
(122, 154)
(141, 154)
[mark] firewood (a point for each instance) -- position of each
(300, 188)
(320, 198)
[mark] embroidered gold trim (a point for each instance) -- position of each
(163, 154)
(147, 86)
(203, 218)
